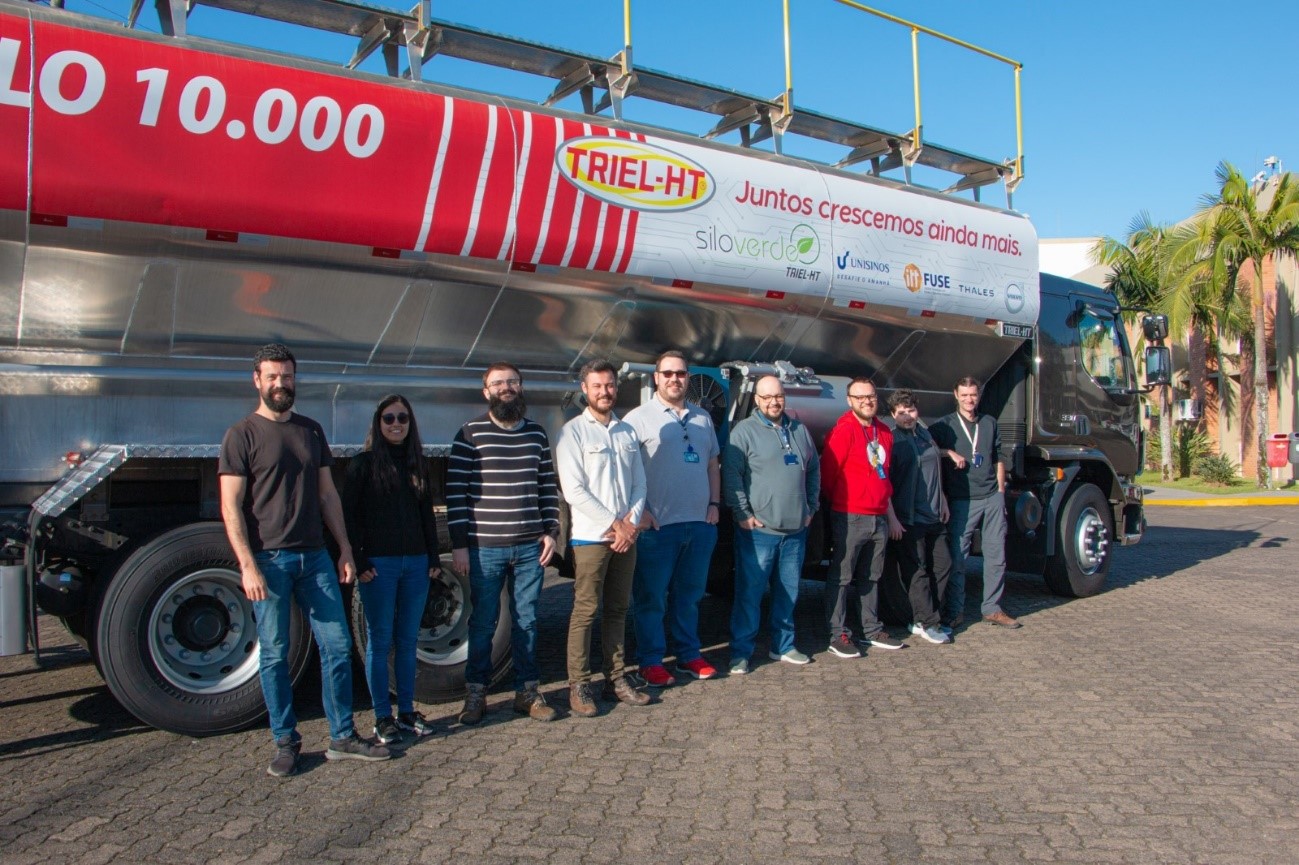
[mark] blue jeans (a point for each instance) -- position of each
(393, 603)
(755, 554)
(671, 573)
(490, 570)
(309, 577)
(989, 515)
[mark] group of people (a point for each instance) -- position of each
(645, 493)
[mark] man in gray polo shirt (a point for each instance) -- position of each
(771, 475)
(684, 483)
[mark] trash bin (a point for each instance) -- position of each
(1294, 448)
(13, 609)
(1279, 451)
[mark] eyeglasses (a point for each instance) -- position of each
(504, 382)
(769, 398)
(870, 397)
(673, 373)
(391, 418)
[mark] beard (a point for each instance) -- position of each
(278, 399)
(507, 411)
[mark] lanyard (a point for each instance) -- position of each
(781, 429)
(683, 421)
(973, 440)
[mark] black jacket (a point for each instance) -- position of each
(386, 524)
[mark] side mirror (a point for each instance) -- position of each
(1154, 327)
(1159, 365)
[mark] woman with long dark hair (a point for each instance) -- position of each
(388, 506)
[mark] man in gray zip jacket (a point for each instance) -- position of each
(771, 479)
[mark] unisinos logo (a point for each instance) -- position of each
(865, 271)
(1014, 298)
(801, 245)
(633, 174)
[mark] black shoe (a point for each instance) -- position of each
(386, 731)
(415, 722)
(636, 680)
(286, 759)
(355, 748)
(843, 647)
(882, 640)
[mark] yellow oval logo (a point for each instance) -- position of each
(633, 174)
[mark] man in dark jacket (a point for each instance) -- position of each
(921, 554)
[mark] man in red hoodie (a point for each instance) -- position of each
(855, 480)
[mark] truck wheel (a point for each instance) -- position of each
(442, 651)
(176, 640)
(1082, 558)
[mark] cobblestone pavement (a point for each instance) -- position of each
(1156, 722)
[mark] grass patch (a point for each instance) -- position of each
(1197, 485)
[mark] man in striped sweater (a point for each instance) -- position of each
(503, 515)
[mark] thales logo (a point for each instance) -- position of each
(848, 261)
(633, 174)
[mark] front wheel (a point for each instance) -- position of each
(176, 639)
(1082, 558)
(442, 649)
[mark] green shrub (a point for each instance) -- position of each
(1216, 469)
(1189, 445)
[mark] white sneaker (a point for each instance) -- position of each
(740, 667)
(933, 635)
(793, 656)
(918, 630)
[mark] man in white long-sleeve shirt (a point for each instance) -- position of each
(598, 459)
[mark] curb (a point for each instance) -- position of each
(1224, 502)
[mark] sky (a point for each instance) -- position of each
(1128, 107)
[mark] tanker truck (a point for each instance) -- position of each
(169, 203)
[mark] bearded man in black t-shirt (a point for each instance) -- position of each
(275, 489)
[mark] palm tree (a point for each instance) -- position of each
(1136, 266)
(1242, 223)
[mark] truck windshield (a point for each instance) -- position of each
(1104, 352)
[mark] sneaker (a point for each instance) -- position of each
(532, 703)
(657, 676)
(844, 648)
(475, 704)
(933, 634)
(581, 701)
(386, 731)
(793, 656)
(697, 669)
(882, 640)
(953, 623)
(285, 762)
(739, 667)
(415, 722)
(355, 748)
(622, 691)
(636, 680)
(1002, 620)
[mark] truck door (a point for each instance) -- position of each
(1106, 386)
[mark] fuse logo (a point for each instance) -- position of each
(633, 174)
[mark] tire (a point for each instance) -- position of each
(176, 640)
(1082, 559)
(443, 648)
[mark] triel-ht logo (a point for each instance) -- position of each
(912, 277)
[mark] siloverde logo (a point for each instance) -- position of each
(633, 174)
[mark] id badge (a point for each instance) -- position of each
(692, 456)
(978, 460)
(791, 459)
